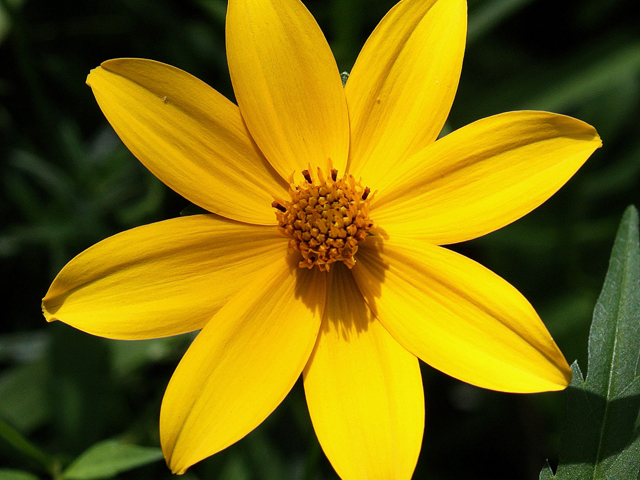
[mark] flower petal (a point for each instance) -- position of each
(287, 85)
(364, 390)
(403, 84)
(242, 364)
(459, 317)
(189, 136)
(484, 176)
(161, 279)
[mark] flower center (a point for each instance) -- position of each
(325, 219)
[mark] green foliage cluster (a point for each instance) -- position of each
(74, 406)
(601, 438)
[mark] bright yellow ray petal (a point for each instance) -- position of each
(484, 176)
(459, 317)
(161, 279)
(364, 390)
(287, 84)
(189, 136)
(403, 84)
(242, 364)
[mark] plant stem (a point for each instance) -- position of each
(20, 443)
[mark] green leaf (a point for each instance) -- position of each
(601, 439)
(127, 356)
(6, 474)
(489, 14)
(14, 438)
(23, 396)
(546, 473)
(235, 468)
(591, 80)
(107, 459)
(6, 20)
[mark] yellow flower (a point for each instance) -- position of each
(322, 255)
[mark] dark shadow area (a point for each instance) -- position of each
(343, 302)
(585, 439)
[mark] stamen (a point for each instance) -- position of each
(326, 220)
(278, 206)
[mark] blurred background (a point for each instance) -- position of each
(68, 182)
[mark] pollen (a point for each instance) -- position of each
(326, 219)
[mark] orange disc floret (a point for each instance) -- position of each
(325, 219)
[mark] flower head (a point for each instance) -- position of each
(322, 252)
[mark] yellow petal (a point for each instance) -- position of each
(189, 136)
(161, 279)
(483, 176)
(364, 390)
(287, 84)
(403, 84)
(242, 364)
(459, 317)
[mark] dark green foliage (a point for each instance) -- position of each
(601, 438)
(107, 459)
